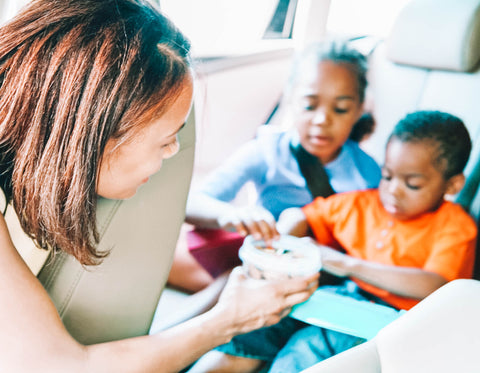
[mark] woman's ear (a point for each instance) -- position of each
(455, 184)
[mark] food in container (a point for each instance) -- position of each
(288, 256)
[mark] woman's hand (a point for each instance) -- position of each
(254, 220)
(250, 304)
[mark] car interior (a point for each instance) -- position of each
(430, 60)
(412, 70)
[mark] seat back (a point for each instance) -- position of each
(438, 335)
(118, 298)
(431, 61)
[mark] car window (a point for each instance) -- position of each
(353, 18)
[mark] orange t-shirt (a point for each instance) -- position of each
(442, 241)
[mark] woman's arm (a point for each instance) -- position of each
(408, 282)
(193, 305)
(33, 337)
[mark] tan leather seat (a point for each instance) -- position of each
(430, 61)
(118, 298)
(440, 334)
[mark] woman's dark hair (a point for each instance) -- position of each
(74, 74)
(341, 53)
(447, 134)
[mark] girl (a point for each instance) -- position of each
(92, 96)
(326, 95)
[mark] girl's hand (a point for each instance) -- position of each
(250, 304)
(254, 220)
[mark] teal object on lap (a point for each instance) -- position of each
(344, 314)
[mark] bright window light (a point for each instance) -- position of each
(352, 18)
(221, 26)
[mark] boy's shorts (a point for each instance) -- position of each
(265, 343)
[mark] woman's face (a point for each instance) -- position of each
(327, 105)
(127, 166)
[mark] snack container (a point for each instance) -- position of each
(288, 256)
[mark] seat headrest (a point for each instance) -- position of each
(437, 34)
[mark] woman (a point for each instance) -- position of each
(92, 96)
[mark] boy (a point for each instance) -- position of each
(400, 242)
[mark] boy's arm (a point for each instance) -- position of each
(404, 281)
(408, 282)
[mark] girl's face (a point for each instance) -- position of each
(327, 105)
(127, 166)
(411, 184)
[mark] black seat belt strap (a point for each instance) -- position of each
(313, 171)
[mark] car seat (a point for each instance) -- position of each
(118, 298)
(429, 61)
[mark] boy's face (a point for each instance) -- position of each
(411, 184)
(327, 105)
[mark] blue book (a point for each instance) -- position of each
(344, 314)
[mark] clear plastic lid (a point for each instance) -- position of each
(288, 256)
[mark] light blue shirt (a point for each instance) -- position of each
(268, 162)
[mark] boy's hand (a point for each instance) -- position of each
(336, 263)
(292, 221)
(333, 261)
(254, 220)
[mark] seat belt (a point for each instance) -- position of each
(319, 186)
(312, 170)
